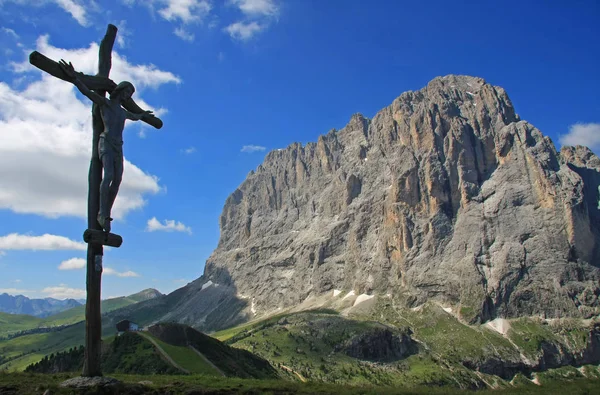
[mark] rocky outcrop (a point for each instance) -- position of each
(446, 194)
(380, 345)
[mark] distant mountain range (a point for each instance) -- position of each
(42, 308)
(20, 304)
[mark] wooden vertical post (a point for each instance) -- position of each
(93, 320)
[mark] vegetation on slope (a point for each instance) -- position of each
(11, 323)
(32, 383)
(128, 353)
(231, 361)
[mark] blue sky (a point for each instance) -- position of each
(225, 75)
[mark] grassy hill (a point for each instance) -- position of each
(232, 362)
(77, 314)
(187, 358)
(180, 348)
(128, 353)
(19, 352)
(10, 323)
(429, 346)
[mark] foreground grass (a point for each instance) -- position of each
(30, 383)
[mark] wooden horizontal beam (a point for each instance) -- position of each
(93, 236)
(93, 82)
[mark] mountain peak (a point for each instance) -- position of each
(444, 195)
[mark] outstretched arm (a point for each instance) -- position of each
(138, 117)
(70, 71)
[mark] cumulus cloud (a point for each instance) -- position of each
(15, 241)
(112, 272)
(186, 11)
(184, 34)
(72, 264)
(155, 225)
(266, 8)
(181, 12)
(45, 133)
(258, 15)
(252, 148)
(74, 7)
(64, 292)
(244, 31)
(587, 134)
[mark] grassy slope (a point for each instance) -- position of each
(33, 347)
(187, 358)
(446, 344)
(308, 343)
(10, 323)
(17, 322)
(77, 314)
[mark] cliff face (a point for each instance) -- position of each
(445, 195)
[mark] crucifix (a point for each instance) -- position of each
(106, 168)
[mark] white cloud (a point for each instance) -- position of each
(244, 31)
(252, 148)
(72, 264)
(17, 281)
(186, 11)
(168, 226)
(184, 34)
(15, 241)
(64, 292)
(258, 16)
(74, 7)
(266, 8)
(123, 34)
(112, 272)
(587, 134)
(45, 133)
(10, 32)
(189, 150)
(183, 12)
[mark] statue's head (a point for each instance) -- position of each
(125, 89)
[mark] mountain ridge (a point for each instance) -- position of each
(444, 194)
(41, 308)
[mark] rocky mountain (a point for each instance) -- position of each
(20, 304)
(444, 195)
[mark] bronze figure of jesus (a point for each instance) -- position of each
(110, 144)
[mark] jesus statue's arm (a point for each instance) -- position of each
(138, 117)
(70, 71)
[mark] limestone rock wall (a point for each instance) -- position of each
(446, 194)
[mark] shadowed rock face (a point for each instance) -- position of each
(445, 194)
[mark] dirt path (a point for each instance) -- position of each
(163, 352)
(207, 361)
(293, 371)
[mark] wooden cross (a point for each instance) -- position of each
(94, 235)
